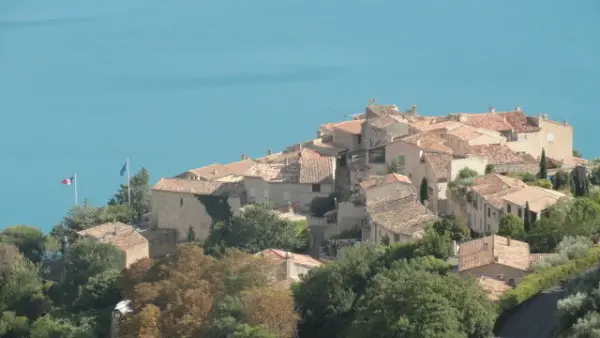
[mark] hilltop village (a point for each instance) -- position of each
(389, 211)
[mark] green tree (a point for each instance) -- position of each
(13, 326)
(511, 226)
(527, 218)
(140, 194)
(543, 173)
(191, 235)
(412, 302)
(424, 190)
(21, 288)
(560, 180)
(247, 331)
(489, 169)
(580, 182)
(84, 260)
(435, 244)
(30, 241)
(576, 153)
(467, 173)
(257, 228)
(449, 224)
(319, 206)
(543, 183)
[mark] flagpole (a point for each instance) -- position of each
(128, 182)
(75, 186)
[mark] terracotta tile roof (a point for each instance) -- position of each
(538, 198)
(315, 169)
(278, 256)
(428, 141)
(440, 163)
(494, 288)
(380, 109)
(195, 186)
(121, 235)
(404, 216)
(351, 127)
(519, 122)
(499, 121)
(493, 186)
(499, 154)
(306, 167)
(465, 133)
(381, 180)
(217, 170)
(381, 122)
(433, 124)
(493, 249)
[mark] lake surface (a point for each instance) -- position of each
(179, 84)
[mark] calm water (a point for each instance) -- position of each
(177, 84)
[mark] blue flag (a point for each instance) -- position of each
(124, 169)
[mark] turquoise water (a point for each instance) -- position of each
(177, 84)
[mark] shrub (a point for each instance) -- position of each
(543, 183)
(536, 282)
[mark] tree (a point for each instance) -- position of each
(22, 291)
(30, 241)
(543, 173)
(13, 326)
(511, 226)
(543, 183)
(435, 244)
(449, 224)
(527, 218)
(84, 260)
(191, 235)
(580, 182)
(424, 190)
(560, 180)
(140, 194)
(256, 229)
(466, 173)
(413, 302)
(576, 153)
(247, 331)
(489, 169)
(190, 294)
(319, 206)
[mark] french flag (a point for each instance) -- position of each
(68, 181)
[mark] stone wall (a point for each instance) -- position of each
(531, 167)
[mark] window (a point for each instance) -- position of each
(286, 196)
(396, 238)
(520, 212)
(550, 137)
(181, 202)
(489, 211)
(401, 160)
(508, 209)
(359, 139)
(252, 192)
(316, 188)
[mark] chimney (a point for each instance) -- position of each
(300, 146)
(413, 110)
(243, 157)
(565, 123)
(269, 152)
(286, 162)
(418, 142)
(518, 108)
(289, 266)
(491, 109)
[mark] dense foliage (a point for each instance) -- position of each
(256, 229)
(395, 291)
(190, 294)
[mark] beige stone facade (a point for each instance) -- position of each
(176, 205)
(123, 236)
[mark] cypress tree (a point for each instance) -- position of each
(543, 165)
(527, 221)
(424, 190)
(191, 236)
